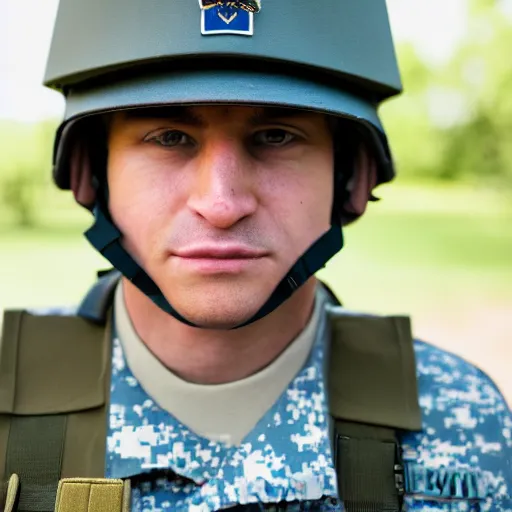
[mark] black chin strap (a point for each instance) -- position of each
(105, 237)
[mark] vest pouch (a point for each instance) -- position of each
(93, 495)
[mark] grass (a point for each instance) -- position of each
(441, 254)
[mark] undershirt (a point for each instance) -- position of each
(221, 412)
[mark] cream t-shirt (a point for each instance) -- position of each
(222, 412)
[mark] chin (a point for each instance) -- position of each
(217, 306)
(218, 316)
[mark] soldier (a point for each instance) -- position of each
(222, 147)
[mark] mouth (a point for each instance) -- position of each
(222, 252)
(215, 259)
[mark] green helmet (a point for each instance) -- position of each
(330, 56)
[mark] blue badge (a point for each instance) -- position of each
(228, 16)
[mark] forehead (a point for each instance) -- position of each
(206, 114)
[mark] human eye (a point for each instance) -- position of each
(274, 137)
(169, 138)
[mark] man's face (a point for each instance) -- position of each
(217, 203)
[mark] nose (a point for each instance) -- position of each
(223, 190)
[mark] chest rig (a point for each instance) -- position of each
(54, 403)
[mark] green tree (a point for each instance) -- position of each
(25, 163)
(455, 121)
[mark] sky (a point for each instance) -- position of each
(434, 26)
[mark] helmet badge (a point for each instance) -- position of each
(228, 16)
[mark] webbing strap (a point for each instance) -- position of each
(93, 495)
(34, 453)
(370, 475)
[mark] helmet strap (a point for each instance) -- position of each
(105, 237)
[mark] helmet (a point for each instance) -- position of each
(331, 56)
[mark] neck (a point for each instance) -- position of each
(206, 356)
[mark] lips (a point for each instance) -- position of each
(232, 252)
(218, 259)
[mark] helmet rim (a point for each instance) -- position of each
(217, 87)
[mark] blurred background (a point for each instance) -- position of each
(439, 244)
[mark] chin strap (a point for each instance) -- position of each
(314, 259)
(105, 237)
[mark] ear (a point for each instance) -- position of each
(81, 178)
(360, 186)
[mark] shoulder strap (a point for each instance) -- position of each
(372, 374)
(96, 304)
(53, 416)
(373, 398)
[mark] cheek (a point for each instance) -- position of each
(300, 195)
(142, 196)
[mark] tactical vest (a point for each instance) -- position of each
(54, 403)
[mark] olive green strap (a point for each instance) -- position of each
(372, 371)
(93, 495)
(373, 396)
(34, 453)
(370, 474)
(87, 430)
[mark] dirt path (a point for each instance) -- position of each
(482, 334)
